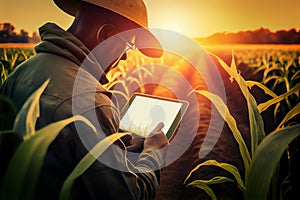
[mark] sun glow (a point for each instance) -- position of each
(174, 26)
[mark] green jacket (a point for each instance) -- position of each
(59, 57)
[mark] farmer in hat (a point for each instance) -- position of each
(68, 58)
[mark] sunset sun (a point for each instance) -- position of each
(174, 26)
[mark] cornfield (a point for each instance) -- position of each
(269, 160)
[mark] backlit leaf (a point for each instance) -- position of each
(225, 113)
(30, 111)
(228, 167)
(86, 162)
(204, 187)
(256, 122)
(266, 159)
(24, 168)
(261, 86)
(292, 113)
(263, 106)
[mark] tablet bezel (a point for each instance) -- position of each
(177, 120)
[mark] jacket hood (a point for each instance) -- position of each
(57, 41)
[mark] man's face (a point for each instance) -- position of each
(124, 42)
(114, 47)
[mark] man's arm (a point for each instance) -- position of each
(132, 182)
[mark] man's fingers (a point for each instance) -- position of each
(158, 127)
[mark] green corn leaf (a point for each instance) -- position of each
(292, 113)
(266, 159)
(30, 111)
(263, 106)
(204, 184)
(228, 167)
(86, 162)
(213, 181)
(256, 122)
(225, 113)
(261, 86)
(204, 187)
(24, 168)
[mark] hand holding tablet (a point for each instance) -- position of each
(144, 112)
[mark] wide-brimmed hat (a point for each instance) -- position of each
(134, 10)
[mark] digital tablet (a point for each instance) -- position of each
(143, 112)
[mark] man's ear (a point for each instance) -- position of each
(105, 31)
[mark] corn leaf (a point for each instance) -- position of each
(135, 80)
(4, 73)
(204, 187)
(263, 106)
(86, 162)
(271, 69)
(144, 69)
(24, 168)
(30, 111)
(214, 180)
(295, 76)
(274, 77)
(292, 113)
(256, 122)
(257, 70)
(14, 60)
(204, 184)
(261, 86)
(228, 167)
(225, 113)
(266, 159)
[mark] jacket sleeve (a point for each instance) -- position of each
(108, 183)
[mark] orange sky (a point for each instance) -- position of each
(194, 18)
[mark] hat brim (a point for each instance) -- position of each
(68, 6)
(146, 42)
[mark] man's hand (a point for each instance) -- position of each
(156, 140)
(136, 145)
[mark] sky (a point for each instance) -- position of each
(193, 18)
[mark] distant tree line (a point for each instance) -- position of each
(8, 35)
(260, 36)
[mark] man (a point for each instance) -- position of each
(62, 56)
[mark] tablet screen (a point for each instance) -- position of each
(144, 112)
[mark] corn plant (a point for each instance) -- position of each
(280, 71)
(280, 80)
(10, 58)
(20, 182)
(258, 170)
